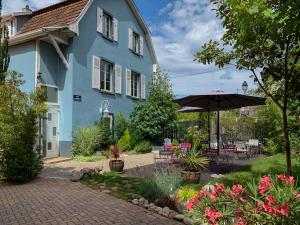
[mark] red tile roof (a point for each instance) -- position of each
(59, 14)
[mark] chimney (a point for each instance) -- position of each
(26, 9)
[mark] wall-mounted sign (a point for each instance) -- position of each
(77, 98)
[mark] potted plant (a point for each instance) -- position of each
(193, 162)
(116, 164)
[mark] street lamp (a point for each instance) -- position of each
(104, 109)
(245, 87)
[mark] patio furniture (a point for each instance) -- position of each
(220, 101)
(241, 150)
(253, 146)
(167, 142)
(185, 147)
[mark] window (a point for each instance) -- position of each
(135, 84)
(136, 43)
(51, 93)
(107, 26)
(106, 72)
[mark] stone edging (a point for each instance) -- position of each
(166, 212)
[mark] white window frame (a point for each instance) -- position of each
(135, 84)
(105, 75)
(136, 48)
(108, 26)
(58, 95)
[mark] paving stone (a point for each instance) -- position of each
(61, 202)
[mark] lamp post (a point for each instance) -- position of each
(245, 87)
(104, 109)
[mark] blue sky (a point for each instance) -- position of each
(179, 28)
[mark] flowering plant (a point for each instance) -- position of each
(272, 200)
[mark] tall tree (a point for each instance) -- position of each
(4, 56)
(261, 35)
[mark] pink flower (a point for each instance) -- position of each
(270, 200)
(237, 190)
(283, 210)
(297, 196)
(212, 215)
(217, 190)
(242, 200)
(264, 184)
(193, 201)
(286, 180)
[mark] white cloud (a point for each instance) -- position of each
(17, 5)
(188, 25)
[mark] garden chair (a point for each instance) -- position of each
(253, 146)
(167, 142)
(241, 150)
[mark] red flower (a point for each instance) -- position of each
(283, 210)
(193, 201)
(270, 200)
(286, 180)
(264, 184)
(212, 215)
(237, 190)
(216, 191)
(242, 200)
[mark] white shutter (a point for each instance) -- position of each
(116, 29)
(128, 82)
(130, 36)
(99, 20)
(143, 87)
(96, 72)
(118, 79)
(141, 45)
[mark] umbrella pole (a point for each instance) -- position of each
(218, 133)
(208, 118)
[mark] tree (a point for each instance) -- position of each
(19, 113)
(261, 35)
(150, 118)
(4, 56)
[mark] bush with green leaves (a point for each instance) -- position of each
(121, 125)
(150, 118)
(125, 141)
(106, 136)
(143, 147)
(86, 141)
(149, 190)
(19, 115)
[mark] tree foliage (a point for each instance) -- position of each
(19, 113)
(4, 56)
(150, 118)
(265, 35)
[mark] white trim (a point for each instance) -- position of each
(37, 61)
(59, 52)
(58, 95)
(75, 25)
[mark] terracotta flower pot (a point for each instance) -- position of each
(116, 165)
(192, 176)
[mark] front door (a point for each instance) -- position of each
(50, 134)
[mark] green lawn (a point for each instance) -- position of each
(270, 165)
(116, 185)
(93, 158)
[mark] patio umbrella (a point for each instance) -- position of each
(219, 101)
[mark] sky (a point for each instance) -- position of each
(179, 29)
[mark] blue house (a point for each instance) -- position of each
(88, 55)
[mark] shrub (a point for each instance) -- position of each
(106, 138)
(19, 113)
(149, 190)
(121, 125)
(143, 147)
(186, 193)
(125, 141)
(115, 151)
(270, 201)
(175, 142)
(168, 182)
(86, 141)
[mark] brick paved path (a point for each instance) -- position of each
(59, 202)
